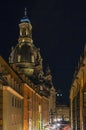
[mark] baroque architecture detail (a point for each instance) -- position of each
(25, 55)
(25, 90)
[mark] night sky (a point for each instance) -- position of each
(59, 30)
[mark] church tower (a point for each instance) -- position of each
(25, 29)
(25, 55)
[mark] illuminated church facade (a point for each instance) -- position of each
(25, 90)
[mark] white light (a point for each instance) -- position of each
(57, 94)
(55, 120)
(54, 126)
(58, 125)
(59, 119)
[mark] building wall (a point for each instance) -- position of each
(78, 96)
(12, 110)
(36, 109)
(45, 111)
(21, 107)
(52, 105)
(62, 112)
(10, 98)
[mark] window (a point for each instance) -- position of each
(24, 32)
(15, 102)
(20, 104)
(19, 58)
(12, 101)
(32, 59)
(1, 106)
(1, 122)
(1, 100)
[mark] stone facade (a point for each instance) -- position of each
(78, 96)
(11, 98)
(62, 113)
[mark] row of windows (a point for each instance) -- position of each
(11, 81)
(17, 88)
(32, 58)
(16, 102)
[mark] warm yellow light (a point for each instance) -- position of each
(23, 40)
(39, 108)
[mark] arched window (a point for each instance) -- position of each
(19, 58)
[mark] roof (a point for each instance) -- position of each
(25, 19)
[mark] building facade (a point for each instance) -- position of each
(11, 98)
(62, 113)
(52, 105)
(24, 87)
(78, 96)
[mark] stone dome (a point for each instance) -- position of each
(23, 52)
(25, 55)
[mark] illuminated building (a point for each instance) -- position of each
(27, 107)
(52, 96)
(52, 105)
(62, 113)
(78, 96)
(11, 98)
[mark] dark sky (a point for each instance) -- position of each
(59, 30)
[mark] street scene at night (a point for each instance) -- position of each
(42, 65)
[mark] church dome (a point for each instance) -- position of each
(23, 52)
(25, 55)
